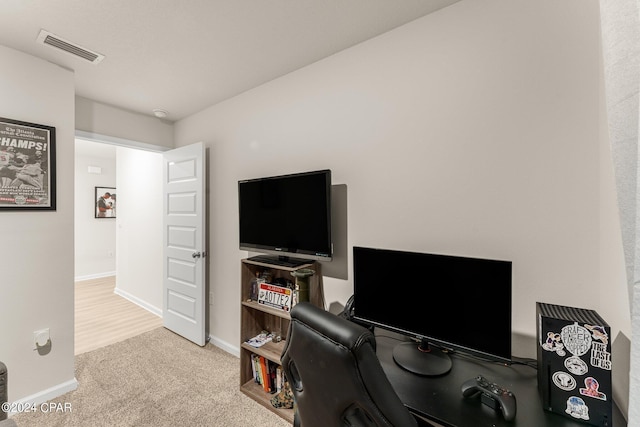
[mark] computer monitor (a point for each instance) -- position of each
(445, 302)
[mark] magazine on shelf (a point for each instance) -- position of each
(259, 340)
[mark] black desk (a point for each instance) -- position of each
(440, 398)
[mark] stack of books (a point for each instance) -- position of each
(267, 373)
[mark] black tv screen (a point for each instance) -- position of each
(452, 302)
(287, 215)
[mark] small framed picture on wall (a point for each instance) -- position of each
(105, 202)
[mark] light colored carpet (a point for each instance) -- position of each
(156, 379)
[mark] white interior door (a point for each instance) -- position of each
(184, 208)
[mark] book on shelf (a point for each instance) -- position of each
(272, 377)
(279, 378)
(255, 364)
(265, 374)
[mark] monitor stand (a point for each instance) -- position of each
(284, 261)
(422, 359)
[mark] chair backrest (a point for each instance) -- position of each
(335, 375)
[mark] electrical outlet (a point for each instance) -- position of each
(210, 298)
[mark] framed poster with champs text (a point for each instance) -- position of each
(27, 166)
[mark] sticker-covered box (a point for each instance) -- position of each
(574, 363)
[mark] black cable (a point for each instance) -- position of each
(532, 363)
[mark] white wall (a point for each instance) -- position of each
(37, 252)
(93, 117)
(472, 131)
(621, 54)
(139, 227)
(95, 242)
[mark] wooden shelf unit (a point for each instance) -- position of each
(257, 317)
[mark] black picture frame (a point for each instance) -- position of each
(27, 166)
(103, 206)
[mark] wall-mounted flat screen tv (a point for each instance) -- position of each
(287, 217)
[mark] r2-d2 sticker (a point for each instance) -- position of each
(577, 408)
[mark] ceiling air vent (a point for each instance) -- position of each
(50, 39)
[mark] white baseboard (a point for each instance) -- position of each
(223, 345)
(95, 276)
(46, 395)
(134, 299)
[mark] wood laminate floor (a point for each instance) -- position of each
(103, 317)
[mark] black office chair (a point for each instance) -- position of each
(335, 375)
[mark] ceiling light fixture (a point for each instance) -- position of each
(161, 114)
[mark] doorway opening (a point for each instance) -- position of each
(118, 261)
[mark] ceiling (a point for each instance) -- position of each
(185, 55)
